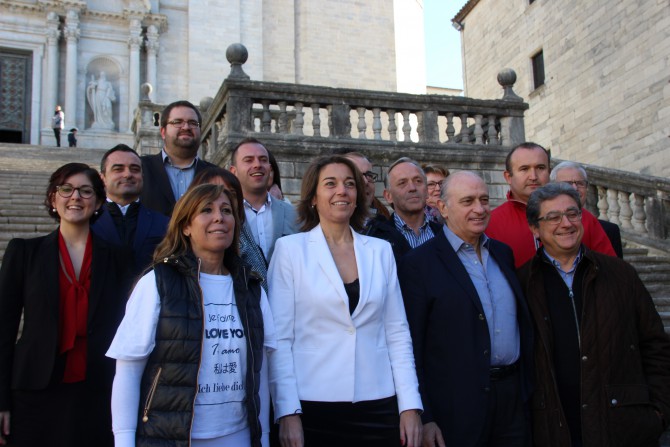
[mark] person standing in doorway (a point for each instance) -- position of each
(58, 123)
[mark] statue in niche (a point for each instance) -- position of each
(100, 95)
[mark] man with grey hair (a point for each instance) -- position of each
(470, 326)
(602, 357)
(406, 191)
(574, 175)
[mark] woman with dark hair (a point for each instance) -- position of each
(71, 287)
(274, 179)
(250, 252)
(343, 372)
(190, 349)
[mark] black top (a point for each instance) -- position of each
(353, 290)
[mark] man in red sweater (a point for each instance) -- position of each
(526, 169)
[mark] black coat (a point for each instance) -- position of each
(451, 338)
(29, 283)
(157, 193)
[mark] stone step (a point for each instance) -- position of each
(661, 267)
(42, 219)
(35, 211)
(639, 259)
(26, 228)
(632, 251)
(655, 277)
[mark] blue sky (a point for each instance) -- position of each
(443, 44)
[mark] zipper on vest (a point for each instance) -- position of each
(250, 351)
(202, 340)
(574, 313)
(150, 396)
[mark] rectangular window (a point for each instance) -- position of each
(538, 69)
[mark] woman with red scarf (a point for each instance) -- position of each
(55, 381)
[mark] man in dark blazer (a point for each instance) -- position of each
(168, 174)
(125, 221)
(470, 326)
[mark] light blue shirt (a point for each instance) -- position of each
(496, 296)
(569, 276)
(260, 223)
(180, 178)
(425, 232)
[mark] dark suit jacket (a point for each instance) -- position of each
(29, 283)
(451, 338)
(151, 228)
(614, 235)
(157, 193)
(383, 228)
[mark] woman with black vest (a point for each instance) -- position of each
(190, 348)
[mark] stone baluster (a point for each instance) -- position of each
(603, 206)
(451, 130)
(406, 126)
(639, 214)
(613, 200)
(492, 134)
(377, 123)
(53, 35)
(393, 129)
(134, 43)
(329, 109)
(299, 121)
(465, 131)
(316, 119)
(152, 47)
(282, 122)
(625, 212)
(72, 33)
(361, 122)
(266, 118)
(479, 131)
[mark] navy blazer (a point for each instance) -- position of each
(151, 228)
(29, 283)
(157, 193)
(451, 338)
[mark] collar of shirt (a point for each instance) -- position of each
(123, 208)
(401, 225)
(166, 160)
(457, 243)
(268, 203)
(570, 274)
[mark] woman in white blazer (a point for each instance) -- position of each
(343, 372)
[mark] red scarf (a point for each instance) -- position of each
(74, 310)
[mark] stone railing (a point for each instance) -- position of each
(639, 204)
(305, 115)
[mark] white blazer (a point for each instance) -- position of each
(324, 353)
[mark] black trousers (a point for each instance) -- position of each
(63, 415)
(507, 423)
(57, 135)
(374, 423)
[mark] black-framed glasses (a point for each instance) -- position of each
(65, 191)
(371, 176)
(555, 217)
(433, 185)
(179, 123)
(581, 184)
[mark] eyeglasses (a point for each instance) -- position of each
(179, 123)
(371, 176)
(65, 191)
(555, 217)
(433, 185)
(581, 184)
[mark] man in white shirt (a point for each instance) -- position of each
(268, 219)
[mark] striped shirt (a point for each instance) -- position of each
(425, 232)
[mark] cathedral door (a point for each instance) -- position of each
(15, 93)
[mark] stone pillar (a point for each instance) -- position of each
(53, 35)
(71, 32)
(134, 43)
(152, 52)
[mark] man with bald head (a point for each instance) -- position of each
(470, 326)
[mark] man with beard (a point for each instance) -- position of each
(268, 218)
(124, 220)
(526, 169)
(169, 174)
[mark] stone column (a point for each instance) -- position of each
(134, 43)
(53, 34)
(152, 52)
(71, 32)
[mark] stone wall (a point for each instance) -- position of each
(606, 98)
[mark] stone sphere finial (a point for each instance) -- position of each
(507, 78)
(145, 92)
(206, 103)
(237, 55)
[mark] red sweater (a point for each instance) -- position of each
(508, 224)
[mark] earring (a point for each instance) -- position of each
(96, 213)
(53, 210)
